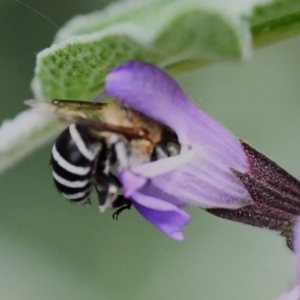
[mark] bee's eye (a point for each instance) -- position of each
(173, 148)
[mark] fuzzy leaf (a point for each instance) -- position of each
(171, 34)
(176, 35)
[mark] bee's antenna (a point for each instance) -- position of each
(39, 13)
(101, 96)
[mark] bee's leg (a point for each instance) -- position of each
(121, 152)
(108, 196)
(159, 152)
(107, 188)
(121, 202)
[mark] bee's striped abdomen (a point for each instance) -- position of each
(73, 161)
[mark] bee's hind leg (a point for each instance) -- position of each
(107, 189)
(121, 202)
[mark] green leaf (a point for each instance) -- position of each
(171, 34)
(275, 21)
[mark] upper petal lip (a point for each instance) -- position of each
(151, 91)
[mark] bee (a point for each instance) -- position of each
(102, 140)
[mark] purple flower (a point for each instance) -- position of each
(200, 175)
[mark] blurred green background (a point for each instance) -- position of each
(50, 249)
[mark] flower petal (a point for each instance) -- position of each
(154, 93)
(153, 191)
(131, 182)
(147, 89)
(165, 216)
(198, 182)
(204, 179)
(135, 178)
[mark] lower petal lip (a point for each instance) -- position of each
(165, 216)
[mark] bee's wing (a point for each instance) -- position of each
(82, 112)
(67, 108)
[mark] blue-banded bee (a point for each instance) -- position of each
(102, 140)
